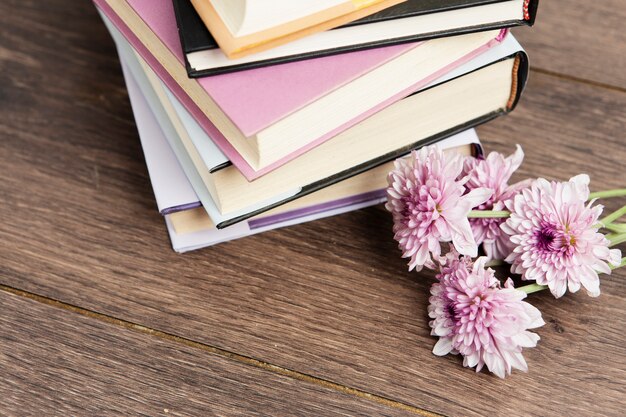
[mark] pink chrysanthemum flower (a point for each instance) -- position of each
(555, 233)
(429, 207)
(494, 173)
(476, 317)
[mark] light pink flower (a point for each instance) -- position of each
(555, 233)
(494, 173)
(429, 207)
(476, 317)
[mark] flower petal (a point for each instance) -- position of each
(443, 346)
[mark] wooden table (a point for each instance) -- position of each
(98, 316)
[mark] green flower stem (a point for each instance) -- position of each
(488, 214)
(494, 214)
(620, 192)
(621, 264)
(616, 238)
(531, 288)
(613, 216)
(616, 227)
(495, 262)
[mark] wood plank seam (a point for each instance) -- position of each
(220, 352)
(577, 79)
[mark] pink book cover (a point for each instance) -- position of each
(255, 99)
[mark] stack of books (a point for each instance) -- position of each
(258, 114)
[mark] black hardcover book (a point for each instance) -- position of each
(411, 21)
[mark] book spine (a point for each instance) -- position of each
(520, 76)
(526, 11)
(514, 84)
(530, 11)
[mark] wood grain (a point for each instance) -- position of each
(330, 298)
(578, 38)
(56, 362)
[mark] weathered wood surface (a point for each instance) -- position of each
(330, 299)
(580, 39)
(57, 362)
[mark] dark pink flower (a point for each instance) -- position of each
(556, 238)
(494, 173)
(429, 206)
(476, 317)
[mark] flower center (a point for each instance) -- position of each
(422, 204)
(546, 237)
(451, 312)
(551, 238)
